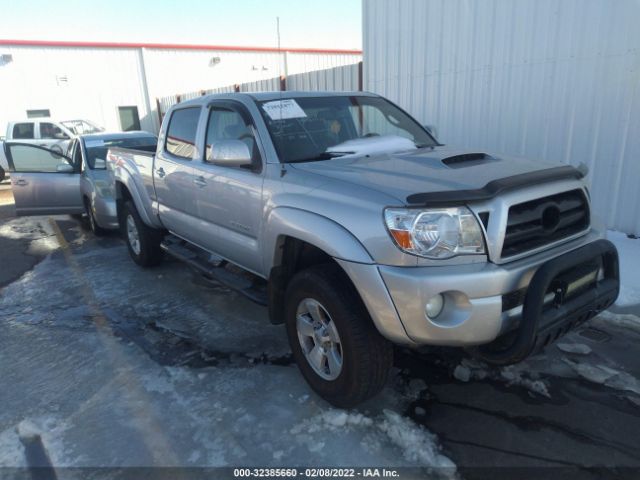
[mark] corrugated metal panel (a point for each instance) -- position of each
(557, 80)
(343, 79)
(266, 85)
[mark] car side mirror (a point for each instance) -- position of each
(100, 163)
(432, 130)
(231, 153)
(60, 136)
(64, 168)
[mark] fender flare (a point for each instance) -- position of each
(317, 230)
(124, 179)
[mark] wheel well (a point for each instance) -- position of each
(293, 256)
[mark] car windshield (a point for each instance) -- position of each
(82, 127)
(320, 128)
(96, 149)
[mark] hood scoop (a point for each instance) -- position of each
(468, 160)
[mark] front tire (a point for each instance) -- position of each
(339, 351)
(143, 242)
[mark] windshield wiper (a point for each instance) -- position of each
(320, 157)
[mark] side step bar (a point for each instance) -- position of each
(217, 269)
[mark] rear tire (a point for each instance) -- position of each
(143, 242)
(361, 358)
(97, 230)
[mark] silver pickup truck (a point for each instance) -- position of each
(358, 230)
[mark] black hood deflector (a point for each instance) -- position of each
(495, 187)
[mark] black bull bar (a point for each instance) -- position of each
(543, 323)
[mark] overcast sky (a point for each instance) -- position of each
(303, 23)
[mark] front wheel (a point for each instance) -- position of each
(143, 242)
(339, 351)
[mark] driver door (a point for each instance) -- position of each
(44, 181)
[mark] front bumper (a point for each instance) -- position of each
(474, 297)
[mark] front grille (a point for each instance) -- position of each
(539, 222)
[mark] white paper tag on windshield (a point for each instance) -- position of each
(94, 143)
(283, 109)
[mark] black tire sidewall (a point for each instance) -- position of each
(351, 319)
(150, 252)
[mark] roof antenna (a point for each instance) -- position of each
(283, 170)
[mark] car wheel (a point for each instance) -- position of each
(338, 349)
(2, 174)
(97, 230)
(143, 242)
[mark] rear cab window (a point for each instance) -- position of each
(52, 131)
(23, 131)
(181, 134)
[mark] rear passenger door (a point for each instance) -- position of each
(173, 175)
(230, 198)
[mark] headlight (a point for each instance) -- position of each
(435, 233)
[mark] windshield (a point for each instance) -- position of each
(97, 149)
(318, 128)
(82, 127)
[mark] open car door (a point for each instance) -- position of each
(44, 181)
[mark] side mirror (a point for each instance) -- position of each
(64, 168)
(100, 164)
(231, 153)
(432, 130)
(61, 136)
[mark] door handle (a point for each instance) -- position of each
(160, 171)
(22, 182)
(200, 181)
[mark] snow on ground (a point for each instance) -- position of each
(570, 358)
(98, 381)
(132, 367)
(629, 251)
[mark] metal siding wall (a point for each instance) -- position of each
(557, 80)
(101, 79)
(344, 78)
(92, 91)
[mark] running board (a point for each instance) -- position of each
(217, 269)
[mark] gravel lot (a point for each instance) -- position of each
(115, 366)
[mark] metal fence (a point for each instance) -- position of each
(341, 79)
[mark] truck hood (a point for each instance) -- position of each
(423, 170)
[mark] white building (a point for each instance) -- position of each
(550, 79)
(113, 83)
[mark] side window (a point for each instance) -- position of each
(29, 158)
(52, 131)
(228, 124)
(23, 131)
(181, 134)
